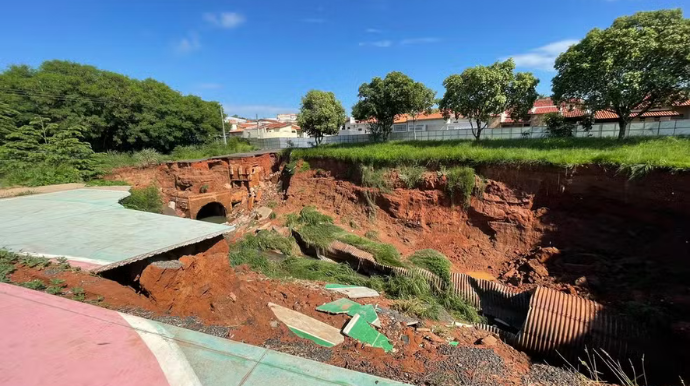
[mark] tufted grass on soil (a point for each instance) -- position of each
(146, 199)
(434, 262)
(412, 290)
(631, 153)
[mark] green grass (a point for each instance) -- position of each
(434, 262)
(106, 183)
(310, 216)
(411, 176)
(35, 284)
(291, 167)
(235, 145)
(656, 152)
(146, 199)
(377, 178)
(459, 181)
(39, 174)
(78, 294)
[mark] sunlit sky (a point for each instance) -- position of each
(260, 57)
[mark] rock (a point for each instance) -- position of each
(274, 323)
(581, 281)
(537, 267)
(434, 338)
(233, 297)
(488, 341)
(546, 254)
(263, 213)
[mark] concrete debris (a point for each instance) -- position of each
(263, 213)
(353, 291)
(308, 328)
(346, 306)
(360, 330)
(537, 268)
(488, 341)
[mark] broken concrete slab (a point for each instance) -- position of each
(353, 291)
(263, 213)
(307, 327)
(340, 306)
(346, 306)
(360, 330)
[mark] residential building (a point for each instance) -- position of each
(287, 117)
(573, 111)
(267, 128)
(354, 127)
(405, 123)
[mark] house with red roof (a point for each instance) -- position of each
(267, 128)
(575, 112)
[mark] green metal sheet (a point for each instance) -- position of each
(359, 329)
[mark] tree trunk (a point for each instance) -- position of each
(623, 128)
(479, 130)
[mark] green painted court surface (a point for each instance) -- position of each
(90, 226)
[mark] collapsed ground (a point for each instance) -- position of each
(616, 236)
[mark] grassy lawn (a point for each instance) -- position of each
(658, 152)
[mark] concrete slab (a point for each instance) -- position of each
(307, 327)
(51, 340)
(90, 226)
(353, 291)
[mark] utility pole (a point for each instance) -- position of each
(222, 121)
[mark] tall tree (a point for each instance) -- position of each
(321, 114)
(639, 63)
(484, 91)
(421, 102)
(120, 113)
(381, 100)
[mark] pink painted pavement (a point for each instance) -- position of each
(70, 343)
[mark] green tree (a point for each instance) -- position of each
(558, 126)
(639, 63)
(7, 123)
(422, 100)
(118, 112)
(321, 114)
(381, 100)
(483, 91)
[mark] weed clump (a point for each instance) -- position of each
(460, 180)
(292, 168)
(434, 262)
(375, 178)
(146, 199)
(411, 176)
(35, 284)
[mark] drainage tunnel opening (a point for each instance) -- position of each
(212, 212)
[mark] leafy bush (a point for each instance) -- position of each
(433, 261)
(558, 126)
(147, 157)
(40, 174)
(146, 199)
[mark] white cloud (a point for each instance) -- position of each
(380, 44)
(542, 58)
(406, 42)
(373, 31)
(188, 44)
(250, 111)
(313, 21)
(224, 19)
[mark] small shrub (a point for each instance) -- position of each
(460, 180)
(146, 199)
(203, 188)
(411, 176)
(353, 224)
(433, 261)
(78, 294)
(54, 290)
(291, 168)
(557, 126)
(57, 282)
(34, 262)
(7, 264)
(63, 263)
(273, 216)
(34, 285)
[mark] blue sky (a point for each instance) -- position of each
(260, 57)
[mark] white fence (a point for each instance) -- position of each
(599, 130)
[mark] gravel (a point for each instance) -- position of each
(545, 375)
(468, 366)
(304, 350)
(190, 322)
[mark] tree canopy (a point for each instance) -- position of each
(115, 112)
(381, 100)
(321, 114)
(638, 63)
(483, 91)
